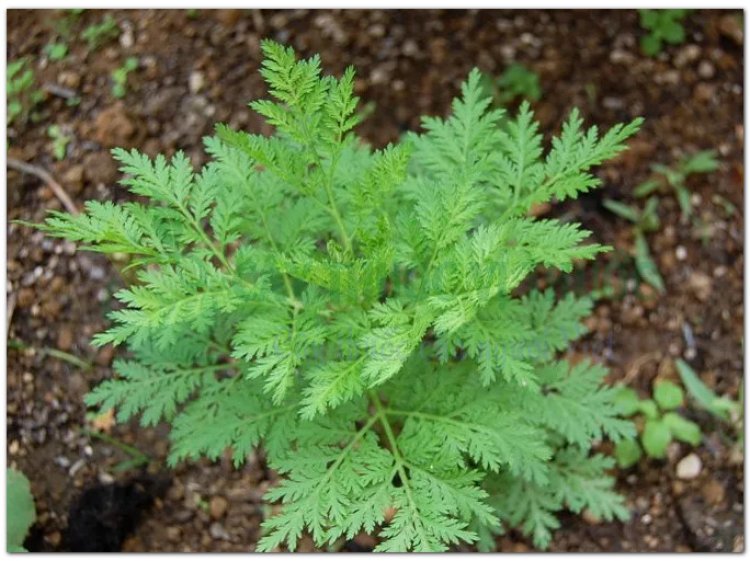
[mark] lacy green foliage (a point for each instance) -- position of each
(21, 91)
(662, 423)
(354, 312)
(664, 26)
(20, 509)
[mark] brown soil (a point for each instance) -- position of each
(199, 68)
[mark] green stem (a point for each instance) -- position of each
(357, 437)
(129, 450)
(400, 461)
(287, 281)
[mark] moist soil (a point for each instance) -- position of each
(198, 67)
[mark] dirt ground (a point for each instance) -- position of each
(196, 68)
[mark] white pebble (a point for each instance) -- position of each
(196, 81)
(689, 467)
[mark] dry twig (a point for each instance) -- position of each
(42, 174)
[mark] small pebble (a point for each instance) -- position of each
(218, 507)
(196, 81)
(706, 70)
(53, 538)
(106, 478)
(126, 38)
(590, 518)
(218, 532)
(689, 467)
(173, 533)
(713, 492)
(76, 467)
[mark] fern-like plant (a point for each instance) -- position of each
(357, 313)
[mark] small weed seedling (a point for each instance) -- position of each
(56, 51)
(120, 76)
(518, 81)
(136, 458)
(356, 312)
(19, 509)
(664, 26)
(676, 177)
(644, 221)
(98, 34)
(723, 408)
(60, 141)
(662, 424)
(515, 82)
(21, 92)
(67, 21)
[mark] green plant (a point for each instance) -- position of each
(66, 21)
(516, 81)
(21, 93)
(727, 410)
(136, 458)
(98, 34)
(662, 424)
(355, 311)
(120, 76)
(664, 26)
(646, 220)
(19, 509)
(60, 141)
(56, 51)
(700, 162)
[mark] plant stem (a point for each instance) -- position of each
(400, 462)
(129, 450)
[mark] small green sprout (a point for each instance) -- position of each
(676, 177)
(662, 423)
(22, 95)
(664, 26)
(723, 408)
(516, 81)
(56, 51)
(120, 76)
(646, 220)
(67, 21)
(98, 34)
(60, 141)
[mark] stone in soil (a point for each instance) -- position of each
(689, 467)
(72, 179)
(713, 492)
(218, 507)
(65, 338)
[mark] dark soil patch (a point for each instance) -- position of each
(199, 68)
